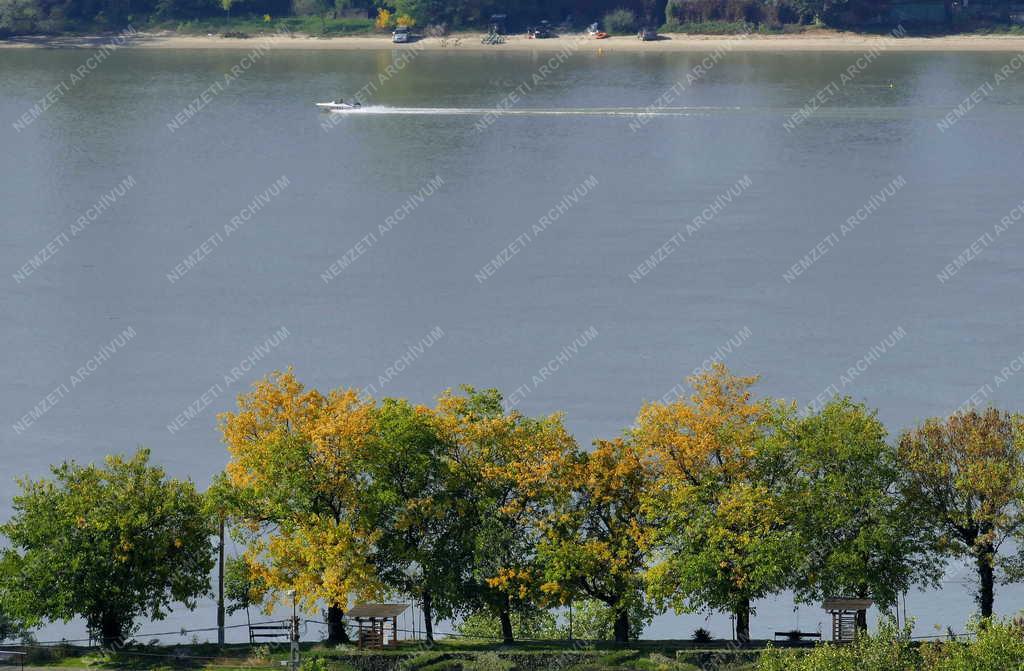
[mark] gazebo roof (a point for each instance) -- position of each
(847, 604)
(377, 610)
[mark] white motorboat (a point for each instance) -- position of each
(338, 106)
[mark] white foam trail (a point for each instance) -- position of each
(535, 111)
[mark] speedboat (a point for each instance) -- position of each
(338, 106)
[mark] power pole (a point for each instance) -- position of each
(220, 587)
(294, 660)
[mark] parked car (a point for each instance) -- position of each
(647, 34)
(541, 31)
(401, 35)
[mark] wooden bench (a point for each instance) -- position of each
(256, 631)
(798, 635)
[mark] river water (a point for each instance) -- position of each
(172, 231)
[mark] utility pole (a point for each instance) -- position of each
(294, 660)
(220, 587)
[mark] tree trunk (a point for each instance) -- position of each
(622, 626)
(862, 615)
(111, 631)
(506, 625)
(986, 575)
(428, 615)
(742, 614)
(336, 632)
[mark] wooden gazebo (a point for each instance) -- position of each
(372, 620)
(844, 614)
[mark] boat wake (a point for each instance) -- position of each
(536, 111)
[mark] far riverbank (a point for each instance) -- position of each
(821, 40)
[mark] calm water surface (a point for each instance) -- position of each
(637, 338)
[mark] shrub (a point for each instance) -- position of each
(888, 650)
(711, 28)
(619, 657)
(997, 645)
(621, 21)
(701, 635)
(383, 21)
(314, 664)
(488, 661)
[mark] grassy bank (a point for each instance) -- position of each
(997, 645)
(413, 656)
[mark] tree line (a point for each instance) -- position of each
(27, 16)
(706, 503)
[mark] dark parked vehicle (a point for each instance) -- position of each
(541, 31)
(647, 34)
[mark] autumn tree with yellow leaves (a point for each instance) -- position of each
(502, 466)
(964, 480)
(721, 467)
(597, 538)
(293, 491)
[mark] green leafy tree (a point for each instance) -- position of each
(423, 523)
(19, 16)
(320, 8)
(964, 481)
(426, 12)
(527, 624)
(820, 11)
(109, 543)
(620, 22)
(242, 589)
(593, 620)
(10, 629)
(861, 539)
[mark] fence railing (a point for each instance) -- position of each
(17, 655)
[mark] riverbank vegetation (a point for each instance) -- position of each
(335, 17)
(483, 515)
(997, 646)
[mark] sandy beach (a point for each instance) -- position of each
(818, 40)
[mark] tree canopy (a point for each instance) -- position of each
(292, 491)
(481, 513)
(963, 478)
(109, 543)
(859, 537)
(505, 465)
(722, 472)
(597, 540)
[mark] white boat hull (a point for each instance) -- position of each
(337, 107)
